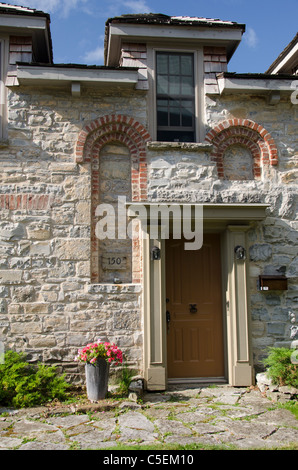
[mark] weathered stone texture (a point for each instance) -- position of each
(48, 306)
(115, 181)
(181, 173)
(45, 199)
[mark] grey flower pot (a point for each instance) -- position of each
(97, 379)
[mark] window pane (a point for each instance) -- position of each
(175, 136)
(162, 117)
(187, 113)
(162, 102)
(187, 86)
(174, 85)
(162, 63)
(174, 64)
(188, 104)
(175, 97)
(187, 117)
(175, 113)
(186, 65)
(162, 85)
(162, 113)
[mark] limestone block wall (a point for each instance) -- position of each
(273, 243)
(51, 302)
(243, 167)
(48, 306)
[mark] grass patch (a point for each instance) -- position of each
(291, 406)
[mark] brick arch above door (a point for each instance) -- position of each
(248, 134)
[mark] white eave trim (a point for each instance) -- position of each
(185, 32)
(59, 76)
(229, 85)
(286, 60)
(9, 22)
(228, 37)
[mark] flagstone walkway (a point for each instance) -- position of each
(220, 416)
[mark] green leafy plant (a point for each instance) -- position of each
(24, 385)
(280, 368)
(125, 380)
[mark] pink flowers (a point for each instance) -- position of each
(108, 351)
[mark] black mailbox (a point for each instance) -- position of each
(271, 282)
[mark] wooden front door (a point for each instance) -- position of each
(194, 310)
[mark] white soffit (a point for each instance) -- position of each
(41, 76)
(20, 22)
(229, 85)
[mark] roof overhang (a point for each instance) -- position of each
(287, 60)
(184, 35)
(261, 84)
(35, 25)
(288, 63)
(65, 76)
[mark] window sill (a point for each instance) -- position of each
(190, 146)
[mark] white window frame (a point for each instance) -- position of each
(200, 119)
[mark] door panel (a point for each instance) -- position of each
(195, 330)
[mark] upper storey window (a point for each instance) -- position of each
(175, 96)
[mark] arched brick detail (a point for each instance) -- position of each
(93, 137)
(122, 129)
(107, 124)
(247, 133)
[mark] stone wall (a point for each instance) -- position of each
(115, 181)
(190, 173)
(273, 243)
(48, 306)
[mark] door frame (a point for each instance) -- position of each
(233, 222)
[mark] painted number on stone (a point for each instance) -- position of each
(114, 262)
